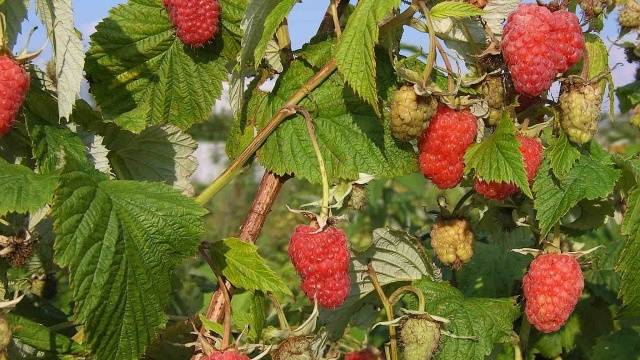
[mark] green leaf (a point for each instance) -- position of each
(564, 340)
(57, 16)
(249, 311)
(562, 154)
(629, 262)
(21, 190)
(592, 177)
(142, 74)
(159, 153)
(261, 22)
(53, 146)
(494, 268)
(488, 321)
(396, 256)
(628, 96)
(622, 344)
(15, 12)
(211, 325)
(40, 337)
(241, 264)
(454, 9)
(355, 53)
(498, 157)
(120, 240)
(352, 138)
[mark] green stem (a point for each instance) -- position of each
(282, 319)
(395, 296)
(461, 202)
(284, 112)
(387, 308)
(431, 59)
(447, 64)
(336, 18)
(323, 170)
(400, 19)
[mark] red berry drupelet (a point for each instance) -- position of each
(537, 44)
(14, 85)
(531, 149)
(196, 21)
(443, 144)
(227, 355)
(322, 261)
(552, 288)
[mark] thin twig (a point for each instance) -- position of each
(285, 111)
(431, 59)
(448, 66)
(395, 296)
(387, 308)
(336, 18)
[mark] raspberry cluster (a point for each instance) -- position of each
(537, 44)
(552, 288)
(531, 149)
(409, 113)
(452, 240)
(14, 85)
(443, 144)
(322, 261)
(365, 354)
(227, 355)
(196, 21)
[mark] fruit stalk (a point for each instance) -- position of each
(388, 309)
(285, 111)
(431, 59)
(323, 170)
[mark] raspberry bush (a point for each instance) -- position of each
(401, 179)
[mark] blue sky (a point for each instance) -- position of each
(303, 23)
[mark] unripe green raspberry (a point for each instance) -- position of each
(452, 240)
(580, 112)
(630, 15)
(420, 337)
(360, 242)
(635, 116)
(294, 348)
(358, 198)
(409, 113)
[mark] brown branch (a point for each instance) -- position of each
(265, 197)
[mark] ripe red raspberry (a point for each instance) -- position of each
(552, 288)
(322, 261)
(443, 144)
(227, 355)
(537, 44)
(365, 354)
(531, 149)
(196, 21)
(14, 85)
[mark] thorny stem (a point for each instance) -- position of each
(323, 170)
(284, 112)
(226, 334)
(387, 308)
(265, 197)
(395, 296)
(447, 65)
(431, 59)
(336, 18)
